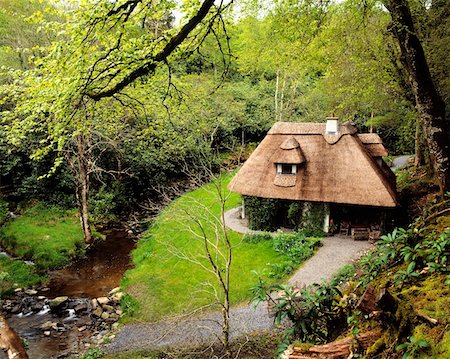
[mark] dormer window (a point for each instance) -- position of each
(286, 169)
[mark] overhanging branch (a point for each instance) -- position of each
(151, 63)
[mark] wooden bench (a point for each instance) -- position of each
(360, 232)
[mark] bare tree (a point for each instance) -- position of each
(207, 226)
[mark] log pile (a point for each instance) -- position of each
(338, 349)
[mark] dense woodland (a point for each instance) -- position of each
(71, 127)
(107, 106)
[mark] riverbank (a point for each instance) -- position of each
(77, 306)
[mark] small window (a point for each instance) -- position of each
(286, 169)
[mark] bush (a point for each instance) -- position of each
(296, 245)
(261, 213)
(3, 211)
(102, 205)
(257, 237)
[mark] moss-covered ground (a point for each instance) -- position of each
(16, 273)
(163, 283)
(47, 235)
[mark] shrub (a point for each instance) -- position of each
(314, 311)
(257, 237)
(261, 213)
(296, 245)
(3, 211)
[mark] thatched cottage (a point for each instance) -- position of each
(320, 163)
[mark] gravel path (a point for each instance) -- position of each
(205, 329)
(400, 162)
(234, 221)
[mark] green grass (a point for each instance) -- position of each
(163, 284)
(14, 274)
(47, 235)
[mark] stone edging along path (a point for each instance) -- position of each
(245, 319)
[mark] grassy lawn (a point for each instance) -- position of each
(163, 284)
(47, 235)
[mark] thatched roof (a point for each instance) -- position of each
(289, 152)
(334, 168)
(373, 144)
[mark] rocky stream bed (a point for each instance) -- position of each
(79, 305)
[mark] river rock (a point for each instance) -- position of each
(105, 315)
(80, 329)
(47, 325)
(41, 297)
(84, 320)
(114, 290)
(108, 308)
(81, 307)
(117, 296)
(94, 303)
(97, 312)
(36, 307)
(114, 317)
(58, 301)
(47, 333)
(16, 309)
(31, 291)
(17, 290)
(102, 300)
(119, 312)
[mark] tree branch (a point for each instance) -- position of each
(151, 63)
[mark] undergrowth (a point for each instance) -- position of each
(411, 264)
(296, 246)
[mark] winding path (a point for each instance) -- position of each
(245, 319)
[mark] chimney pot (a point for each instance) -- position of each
(332, 126)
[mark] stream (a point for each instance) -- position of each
(78, 305)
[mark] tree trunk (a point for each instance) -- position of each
(10, 342)
(83, 188)
(419, 159)
(429, 104)
(276, 95)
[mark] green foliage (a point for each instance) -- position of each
(313, 216)
(3, 211)
(47, 235)
(314, 311)
(412, 347)
(261, 213)
(295, 213)
(344, 274)
(297, 247)
(93, 353)
(264, 214)
(418, 251)
(15, 273)
(102, 206)
(257, 237)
